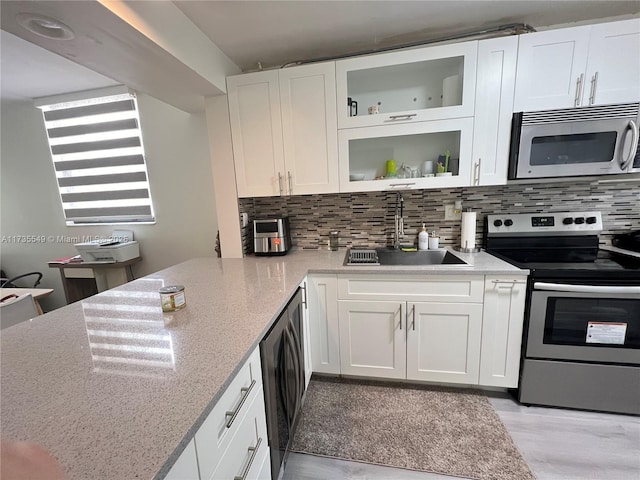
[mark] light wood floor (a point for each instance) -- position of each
(558, 444)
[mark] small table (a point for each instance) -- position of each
(83, 279)
(36, 293)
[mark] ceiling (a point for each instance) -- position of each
(277, 32)
(270, 32)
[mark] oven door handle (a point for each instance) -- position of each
(565, 287)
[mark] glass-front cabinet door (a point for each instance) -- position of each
(413, 85)
(419, 155)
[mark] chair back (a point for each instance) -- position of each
(10, 282)
(17, 310)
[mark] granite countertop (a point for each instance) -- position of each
(115, 388)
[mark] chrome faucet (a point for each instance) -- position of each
(399, 221)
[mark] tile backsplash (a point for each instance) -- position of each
(367, 219)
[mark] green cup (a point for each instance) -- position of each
(391, 168)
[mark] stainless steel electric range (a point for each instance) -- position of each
(581, 345)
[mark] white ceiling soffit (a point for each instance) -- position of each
(278, 32)
(110, 45)
(29, 71)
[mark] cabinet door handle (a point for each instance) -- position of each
(408, 116)
(476, 172)
(400, 316)
(406, 184)
(576, 100)
(290, 183)
(592, 93)
(413, 317)
(253, 451)
(280, 182)
(304, 289)
(234, 413)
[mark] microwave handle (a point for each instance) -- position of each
(634, 145)
(565, 287)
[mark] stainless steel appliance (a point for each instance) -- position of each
(581, 345)
(575, 141)
(271, 236)
(282, 356)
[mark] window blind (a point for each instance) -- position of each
(98, 156)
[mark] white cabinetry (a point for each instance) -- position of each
(232, 440)
(323, 323)
(364, 151)
(502, 331)
(306, 333)
(283, 129)
(443, 342)
(186, 467)
(426, 101)
(580, 66)
(412, 85)
(372, 338)
(415, 328)
(494, 106)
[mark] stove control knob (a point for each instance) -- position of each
(591, 220)
(579, 220)
(497, 223)
(567, 220)
(508, 222)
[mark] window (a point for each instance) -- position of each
(98, 156)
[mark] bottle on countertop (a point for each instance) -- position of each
(423, 239)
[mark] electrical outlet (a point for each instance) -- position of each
(450, 212)
(245, 219)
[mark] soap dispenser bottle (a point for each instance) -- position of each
(423, 239)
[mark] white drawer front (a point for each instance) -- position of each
(217, 431)
(434, 288)
(186, 467)
(245, 454)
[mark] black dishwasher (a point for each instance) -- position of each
(282, 356)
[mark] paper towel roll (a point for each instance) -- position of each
(451, 91)
(468, 237)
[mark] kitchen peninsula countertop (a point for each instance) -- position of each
(115, 388)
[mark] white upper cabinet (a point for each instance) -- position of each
(284, 132)
(581, 66)
(613, 67)
(364, 153)
(309, 128)
(256, 133)
(494, 107)
(428, 83)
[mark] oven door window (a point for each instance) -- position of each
(574, 149)
(584, 327)
(593, 322)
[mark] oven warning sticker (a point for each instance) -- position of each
(606, 332)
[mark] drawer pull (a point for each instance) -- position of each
(233, 414)
(407, 116)
(253, 451)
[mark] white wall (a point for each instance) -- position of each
(178, 162)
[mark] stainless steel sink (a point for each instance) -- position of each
(391, 256)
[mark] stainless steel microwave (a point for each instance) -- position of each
(571, 142)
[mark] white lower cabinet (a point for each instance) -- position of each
(186, 467)
(245, 455)
(372, 339)
(435, 339)
(232, 440)
(323, 323)
(443, 342)
(502, 330)
(306, 334)
(462, 329)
